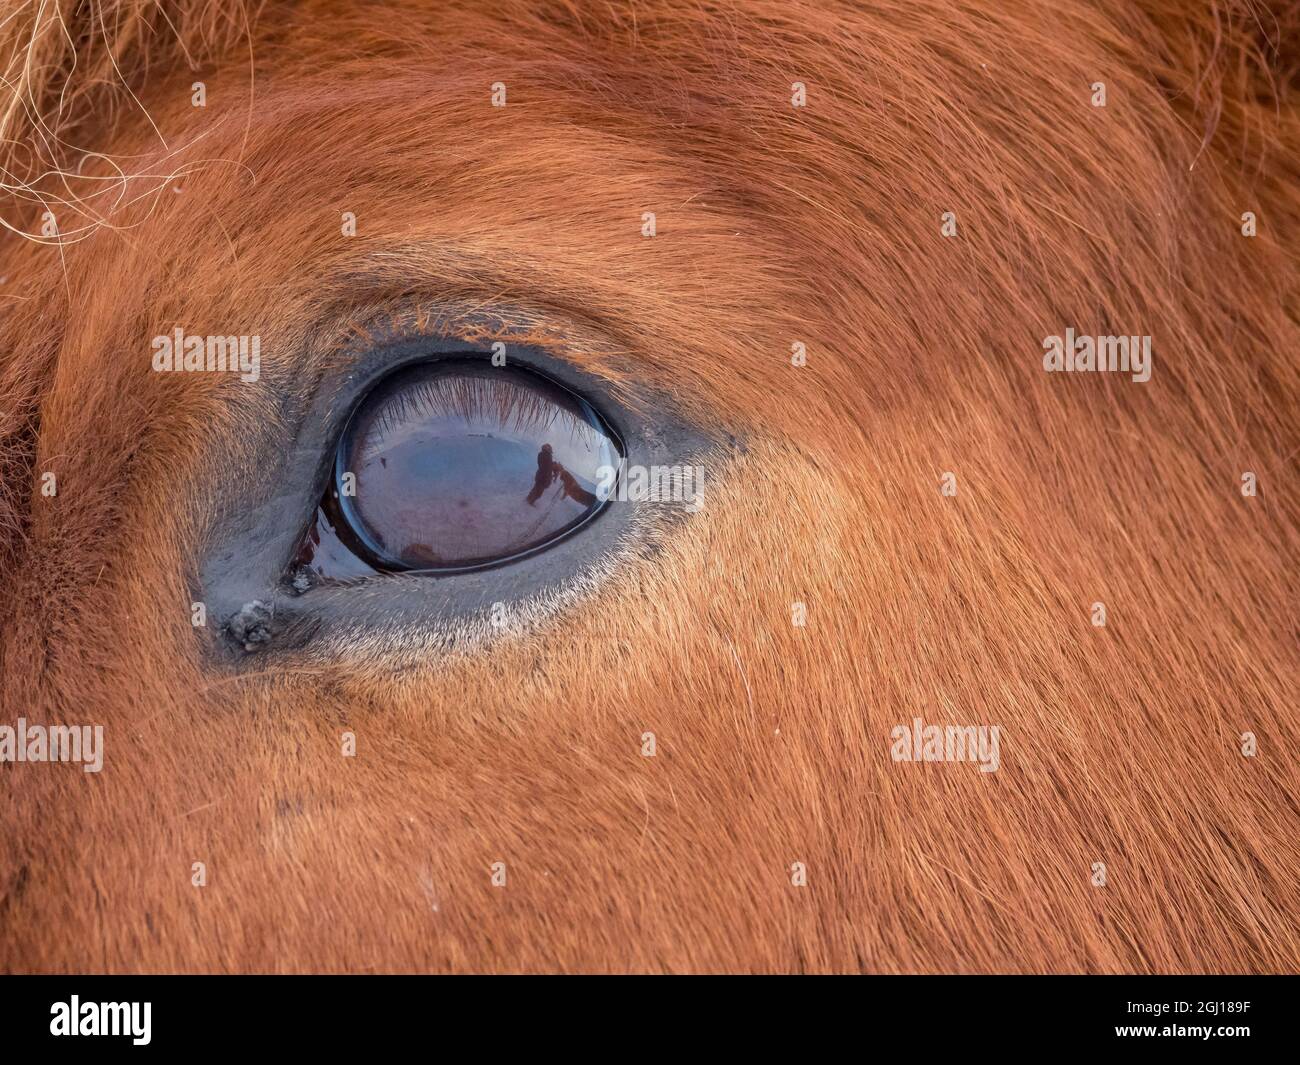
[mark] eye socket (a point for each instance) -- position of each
(458, 465)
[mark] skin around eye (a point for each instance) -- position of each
(457, 464)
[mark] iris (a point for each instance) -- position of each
(456, 465)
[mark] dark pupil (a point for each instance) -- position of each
(461, 464)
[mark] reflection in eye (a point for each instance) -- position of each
(459, 465)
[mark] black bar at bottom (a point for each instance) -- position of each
(613, 1015)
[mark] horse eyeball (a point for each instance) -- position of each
(456, 465)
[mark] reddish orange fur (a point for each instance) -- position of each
(776, 224)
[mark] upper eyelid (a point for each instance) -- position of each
(374, 313)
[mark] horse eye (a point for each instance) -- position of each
(457, 465)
